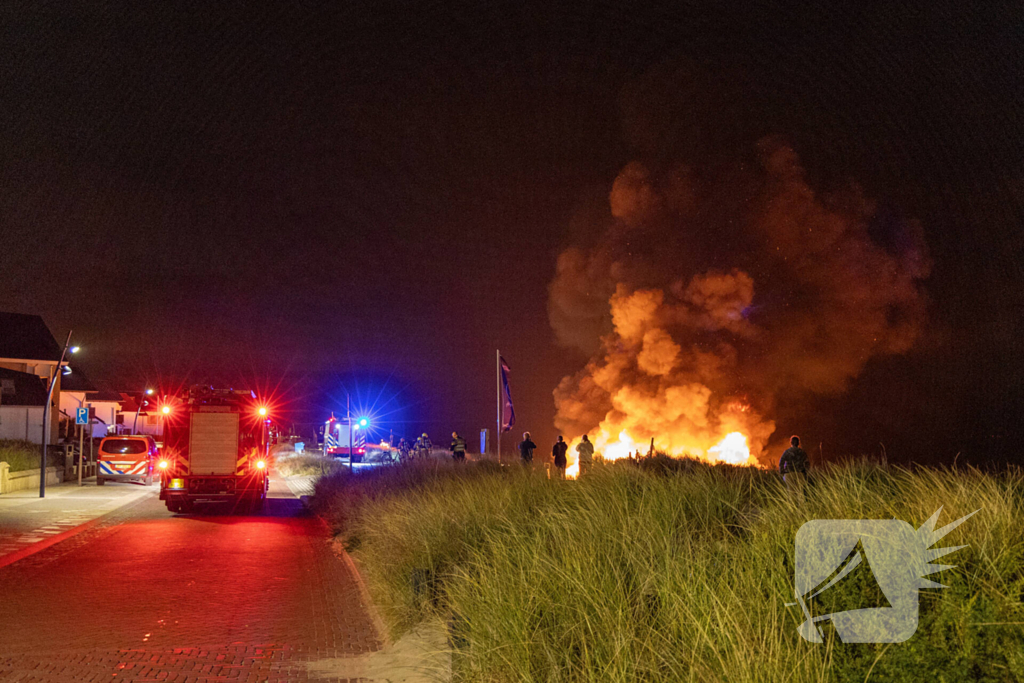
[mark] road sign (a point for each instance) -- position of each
(81, 416)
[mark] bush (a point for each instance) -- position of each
(666, 573)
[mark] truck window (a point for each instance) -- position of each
(124, 446)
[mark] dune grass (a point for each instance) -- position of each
(674, 572)
(305, 464)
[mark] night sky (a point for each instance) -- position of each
(309, 196)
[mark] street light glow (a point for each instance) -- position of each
(149, 392)
(74, 349)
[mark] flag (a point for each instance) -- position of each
(508, 413)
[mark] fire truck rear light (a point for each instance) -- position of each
(164, 464)
(260, 464)
(176, 484)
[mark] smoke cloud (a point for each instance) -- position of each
(717, 291)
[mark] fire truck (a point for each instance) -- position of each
(215, 450)
(337, 438)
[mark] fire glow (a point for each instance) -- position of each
(732, 450)
(684, 346)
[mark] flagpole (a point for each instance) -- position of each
(497, 432)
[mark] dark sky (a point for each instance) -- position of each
(304, 195)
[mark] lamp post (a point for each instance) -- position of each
(142, 402)
(348, 418)
(352, 426)
(46, 413)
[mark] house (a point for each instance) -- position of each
(22, 396)
(76, 392)
(27, 347)
(106, 407)
(139, 414)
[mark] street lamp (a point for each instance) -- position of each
(142, 402)
(57, 372)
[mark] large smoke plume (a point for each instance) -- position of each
(717, 291)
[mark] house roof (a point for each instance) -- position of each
(76, 381)
(105, 396)
(21, 389)
(26, 337)
(130, 403)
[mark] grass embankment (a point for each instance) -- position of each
(306, 465)
(674, 573)
(20, 455)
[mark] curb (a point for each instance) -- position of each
(379, 625)
(30, 550)
(364, 594)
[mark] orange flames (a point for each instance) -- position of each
(683, 347)
(732, 449)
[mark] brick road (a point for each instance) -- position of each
(148, 596)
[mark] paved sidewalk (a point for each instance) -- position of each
(147, 595)
(26, 519)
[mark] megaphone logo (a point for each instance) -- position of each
(899, 556)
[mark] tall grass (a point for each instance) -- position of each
(20, 455)
(674, 573)
(306, 464)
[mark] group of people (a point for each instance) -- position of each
(422, 446)
(419, 448)
(793, 465)
(584, 451)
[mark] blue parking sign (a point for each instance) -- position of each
(81, 416)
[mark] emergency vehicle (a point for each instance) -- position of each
(126, 458)
(336, 438)
(215, 450)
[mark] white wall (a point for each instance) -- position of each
(106, 411)
(21, 422)
(147, 424)
(69, 400)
